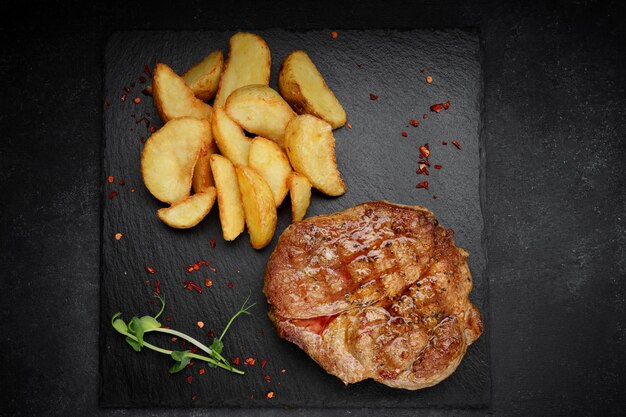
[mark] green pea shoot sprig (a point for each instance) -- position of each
(138, 327)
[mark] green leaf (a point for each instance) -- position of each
(149, 323)
(182, 359)
(136, 328)
(217, 345)
(135, 345)
(179, 366)
(179, 355)
(120, 326)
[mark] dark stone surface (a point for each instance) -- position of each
(554, 124)
(376, 163)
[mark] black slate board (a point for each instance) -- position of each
(376, 162)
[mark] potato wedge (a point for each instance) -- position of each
(269, 160)
(189, 212)
(258, 205)
(230, 138)
(228, 197)
(173, 98)
(169, 155)
(202, 176)
(260, 110)
(249, 62)
(310, 146)
(300, 194)
(304, 88)
(204, 77)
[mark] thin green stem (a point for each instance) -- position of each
(162, 305)
(242, 310)
(186, 337)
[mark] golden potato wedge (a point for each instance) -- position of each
(228, 197)
(189, 212)
(260, 110)
(269, 160)
(173, 98)
(303, 87)
(169, 155)
(249, 62)
(300, 194)
(258, 205)
(204, 77)
(230, 138)
(202, 176)
(310, 146)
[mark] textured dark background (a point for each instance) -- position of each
(555, 86)
(376, 162)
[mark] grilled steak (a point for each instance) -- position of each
(376, 291)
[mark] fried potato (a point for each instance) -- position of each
(173, 98)
(202, 176)
(310, 146)
(189, 212)
(169, 155)
(300, 194)
(230, 138)
(228, 197)
(258, 204)
(269, 160)
(260, 110)
(304, 88)
(249, 62)
(204, 77)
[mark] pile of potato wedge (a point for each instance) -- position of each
(249, 149)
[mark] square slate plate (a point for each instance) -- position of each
(376, 161)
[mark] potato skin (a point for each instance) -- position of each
(189, 212)
(323, 104)
(204, 83)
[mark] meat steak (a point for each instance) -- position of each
(376, 291)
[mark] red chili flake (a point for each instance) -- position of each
(118, 236)
(122, 182)
(190, 269)
(200, 324)
(210, 333)
(429, 79)
(174, 339)
(146, 71)
(157, 287)
(373, 97)
(263, 363)
(189, 379)
(423, 184)
(348, 125)
(196, 267)
(334, 35)
(230, 285)
(270, 395)
(201, 371)
(249, 361)
(444, 143)
(137, 100)
(267, 378)
(152, 129)
(208, 282)
(457, 144)
(213, 269)
(236, 360)
(150, 270)
(404, 134)
(422, 170)
(212, 243)
(424, 151)
(436, 107)
(132, 190)
(437, 166)
(424, 116)
(194, 398)
(123, 98)
(127, 89)
(414, 123)
(112, 195)
(446, 105)
(192, 286)
(111, 179)
(142, 79)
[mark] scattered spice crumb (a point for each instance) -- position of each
(282, 371)
(200, 324)
(270, 395)
(334, 35)
(189, 379)
(122, 182)
(208, 282)
(236, 360)
(434, 197)
(424, 151)
(404, 134)
(146, 70)
(132, 190)
(446, 105)
(142, 79)
(174, 339)
(263, 363)
(444, 143)
(123, 98)
(267, 378)
(423, 184)
(194, 398)
(192, 286)
(152, 129)
(230, 284)
(118, 236)
(127, 89)
(210, 333)
(414, 123)
(373, 97)
(348, 125)
(429, 79)
(112, 195)
(212, 243)
(457, 144)
(437, 166)
(150, 270)
(424, 116)
(249, 362)
(137, 100)
(111, 179)
(201, 371)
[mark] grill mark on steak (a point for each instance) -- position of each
(376, 291)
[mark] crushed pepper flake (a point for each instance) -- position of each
(112, 195)
(210, 333)
(118, 236)
(208, 282)
(423, 184)
(424, 116)
(212, 243)
(373, 97)
(270, 395)
(414, 123)
(110, 179)
(150, 270)
(348, 125)
(201, 371)
(200, 324)
(444, 143)
(122, 182)
(249, 361)
(236, 360)
(437, 166)
(263, 363)
(282, 371)
(404, 134)
(123, 98)
(137, 100)
(132, 190)
(429, 79)
(194, 398)
(457, 144)
(230, 284)
(267, 378)
(334, 35)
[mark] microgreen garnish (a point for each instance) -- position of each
(138, 327)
